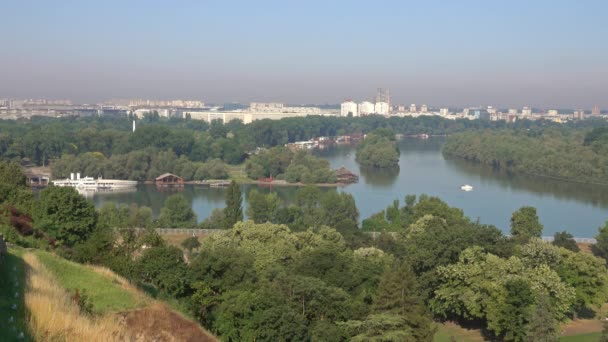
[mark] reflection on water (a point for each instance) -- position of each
(379, 177)
(90, 193)
(596, 195)
(576, 207)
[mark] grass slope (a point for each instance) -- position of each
(105, 292)
(54, 316)
(12, 279)
(592, 337)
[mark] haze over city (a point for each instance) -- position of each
(510, 54)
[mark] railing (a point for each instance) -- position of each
(544, 238)
(199, 232)
(189, 231)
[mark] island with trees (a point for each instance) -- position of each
(378, 149)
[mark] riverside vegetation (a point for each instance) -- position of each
(307, 272)
(573, 154)
(193, 149)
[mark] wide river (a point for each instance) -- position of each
(576, 207)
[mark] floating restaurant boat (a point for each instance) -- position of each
(90, 183)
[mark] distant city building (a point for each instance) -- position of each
(169, 103)
(234, 106)
(383, 95)
(400, 109)
(478, 113)
(512, 111)
(511, 117)
(596, 110)
(265, 106)
(444, 111)
(413, 108)
(526, 111)
(348, 107)
(140, 113)
(491, 110)
(381, 108)
(552, 112)
(579, 114)
(424, 108)
(39, 102)
(366, 108)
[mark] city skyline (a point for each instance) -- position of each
(544, 54)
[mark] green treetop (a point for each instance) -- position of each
(234, 201)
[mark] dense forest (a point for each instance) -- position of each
(306, 272)
(110, 139)
(575, 154)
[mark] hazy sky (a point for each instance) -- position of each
(459, 53)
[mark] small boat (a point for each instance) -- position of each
(466, 187)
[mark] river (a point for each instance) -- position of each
(576, 207)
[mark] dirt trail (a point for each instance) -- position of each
(582, 326)
(159, 323)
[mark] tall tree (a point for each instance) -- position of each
(13, 187)
(191, 243)
(604, 336)
(565, 240)
(177, 213)
(397, 294)
(234, 209)
(514, 311)
(601, 247)
(525, 224)
(543, 326)
(65, 215)
(262, 208)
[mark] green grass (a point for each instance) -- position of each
(441, 336)
(12, 280)
(106, 295)
(238, 174)
(592, 337)
(446, 331)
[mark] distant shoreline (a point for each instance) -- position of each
(273, 183)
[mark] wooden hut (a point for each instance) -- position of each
(344, 176)
(169, 180)
(37, 180)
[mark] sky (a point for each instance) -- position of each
(443, 53)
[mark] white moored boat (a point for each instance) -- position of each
(90, 183)
(466, 187)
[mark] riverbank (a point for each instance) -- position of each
(257, 182)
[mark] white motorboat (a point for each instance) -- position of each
(466, 187)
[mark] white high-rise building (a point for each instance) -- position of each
(526, 111)
(366, 108)
(552, 112)
(413, 108)
(348, 107)
(381, 108)
(512, 111)
(444, 112)
(424, 108)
